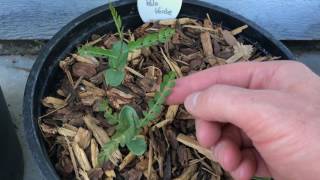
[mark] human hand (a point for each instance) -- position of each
(259, 119)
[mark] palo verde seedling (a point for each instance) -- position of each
(129, 125)
(118, 55)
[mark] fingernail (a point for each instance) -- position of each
(191, 101)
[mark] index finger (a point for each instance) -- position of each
(252, 75)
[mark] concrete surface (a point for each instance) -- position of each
(14, 71)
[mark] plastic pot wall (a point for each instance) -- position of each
(46, 74)
(11, 159)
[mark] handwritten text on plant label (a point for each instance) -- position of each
(152, 10)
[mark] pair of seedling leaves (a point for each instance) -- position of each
(118, 55)
(128, 124)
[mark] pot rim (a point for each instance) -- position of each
(33, 140)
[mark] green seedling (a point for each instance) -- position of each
(118, 55)
(128, 124)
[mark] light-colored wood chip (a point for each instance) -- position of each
(239, 30)
(135, 54)
(170, 115)
(110, 173)
(52, 102)
(229, 38)
(48, 129)
(70, 127)
(83, 138)
(181, 21)
(191, 142)
(128, 159)
(241, 51)
(94, 149)
(61, 93)
(207, 43)
(101, 136)
(88, 60)
(84, 174)
(81, 157)
(150, 161)
(66, 132)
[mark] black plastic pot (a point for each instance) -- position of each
(45, 73)
(11, 159)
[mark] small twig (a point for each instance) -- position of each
(150, 160)
(182, 62)
(73, 159)
(190, 142)
(200, 28)
(74, 88)
(49, 113)
(134, 72)
(239, 30)
(91, 43)
(210, 172)
(196, 161)
(172, 65)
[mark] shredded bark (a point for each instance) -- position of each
(74, 130)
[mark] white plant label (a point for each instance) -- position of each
(153, 10)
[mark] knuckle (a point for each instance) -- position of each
(295, 65)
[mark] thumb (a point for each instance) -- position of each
(247, 109)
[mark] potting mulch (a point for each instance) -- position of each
(74, 130)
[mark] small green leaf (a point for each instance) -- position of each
(156, 104)
(137, 145)
(126, 128)
(103, 105)
(162, 36)
(114, 77)
(107, 150)
(121, 52)
(95, 52)
(117, 20)
(111, 119)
